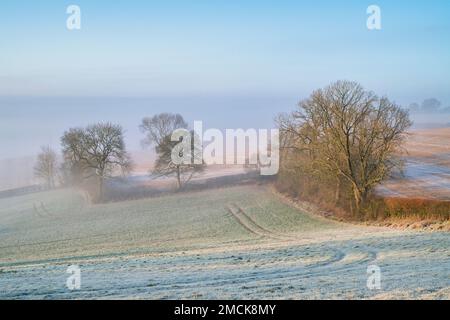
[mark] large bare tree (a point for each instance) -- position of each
(348, 133)
(97, 151)
(159, 130)
(46, 166)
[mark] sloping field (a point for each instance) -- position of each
(237, 242)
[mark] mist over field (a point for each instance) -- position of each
(28, 123)
(337, 186)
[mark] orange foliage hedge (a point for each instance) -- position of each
(397, 207)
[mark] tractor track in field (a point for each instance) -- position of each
(338, 256)
(251, 225)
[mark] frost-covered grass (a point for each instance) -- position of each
(62, 224)
(236, 242)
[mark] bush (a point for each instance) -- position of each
(417, 208)
(375, 208)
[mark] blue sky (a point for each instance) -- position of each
(253, 57)
(144, 48)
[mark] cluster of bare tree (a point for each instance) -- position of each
(89, 156)
(95, 152)
(342, 139)
(92, 154)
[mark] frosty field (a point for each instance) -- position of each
(237, 242)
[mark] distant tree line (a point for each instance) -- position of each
(430, 105)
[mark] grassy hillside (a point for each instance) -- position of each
(236, 242)
(62, 224)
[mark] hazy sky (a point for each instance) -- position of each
(229, 62)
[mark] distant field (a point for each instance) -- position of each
(433, 144)
(236, 242)
(427, 167)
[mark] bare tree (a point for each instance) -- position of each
(161, 126)
(159, 130)
(97, 151)
(74, 167)
(431, 105)
(46, 166)
(348, 133)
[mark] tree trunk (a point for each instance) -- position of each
(357, 196)
(338, 191)
(100, 189)
(179, 177)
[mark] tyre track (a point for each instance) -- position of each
(251, 225)
(338, 255)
